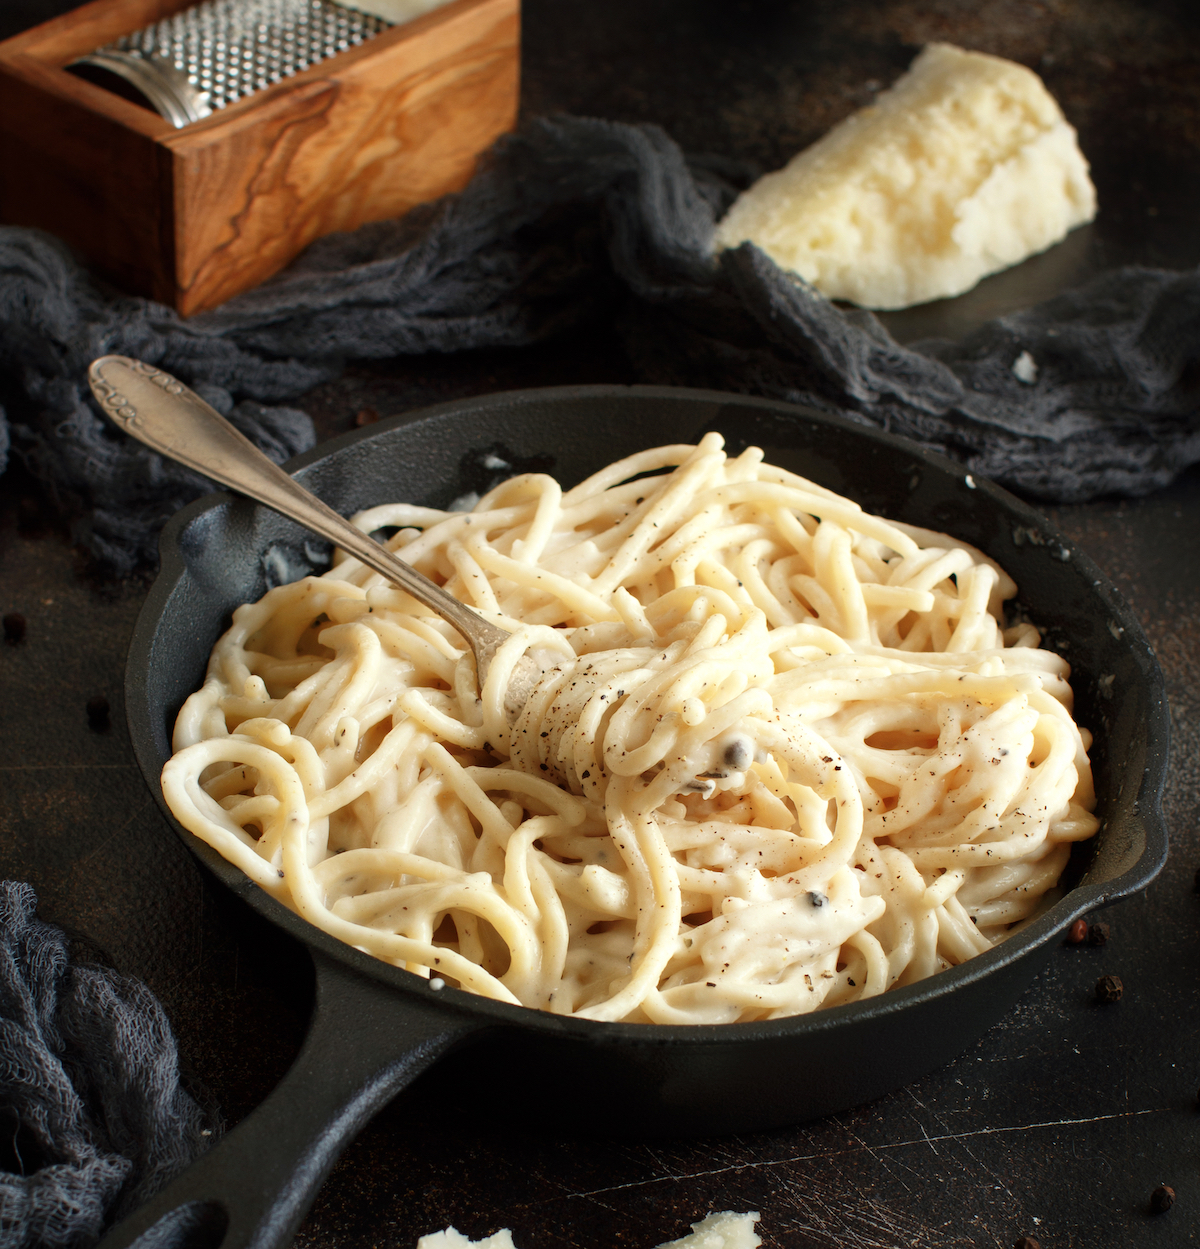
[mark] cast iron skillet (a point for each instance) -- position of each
(375, 1028)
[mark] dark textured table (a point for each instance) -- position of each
(1059, 1122)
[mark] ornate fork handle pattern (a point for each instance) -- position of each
(162, 412)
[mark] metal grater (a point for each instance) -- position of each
(215, 53)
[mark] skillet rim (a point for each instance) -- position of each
(1146, 808)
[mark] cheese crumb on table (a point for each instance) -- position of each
(721, 1231)
(452, 1238)
(964, 167)
(1025, 368)
(715, 1231)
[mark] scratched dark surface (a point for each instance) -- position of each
(1059, 1122)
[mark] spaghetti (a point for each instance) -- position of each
(783, 754)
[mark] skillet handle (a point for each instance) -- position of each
(365, 1043)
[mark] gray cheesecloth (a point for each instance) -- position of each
(90, 1103)
(568, 222)
(572, 220)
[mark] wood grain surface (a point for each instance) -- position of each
(392, 123)
(79, 161)
(193, 216)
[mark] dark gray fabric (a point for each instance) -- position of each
(53, 322)
(572, 220)
(1114, 408)
(89, 1089)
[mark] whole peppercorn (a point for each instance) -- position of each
(14, 628)
(1162, 1199)
(1109, 989)
(1027, 1242)
(1097, 934)
(1077, 933)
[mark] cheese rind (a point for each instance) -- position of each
(964, 167)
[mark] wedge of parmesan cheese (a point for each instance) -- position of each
(964, 167)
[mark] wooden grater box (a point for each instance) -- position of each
(192, 216)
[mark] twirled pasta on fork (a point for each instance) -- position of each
(783, 754)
